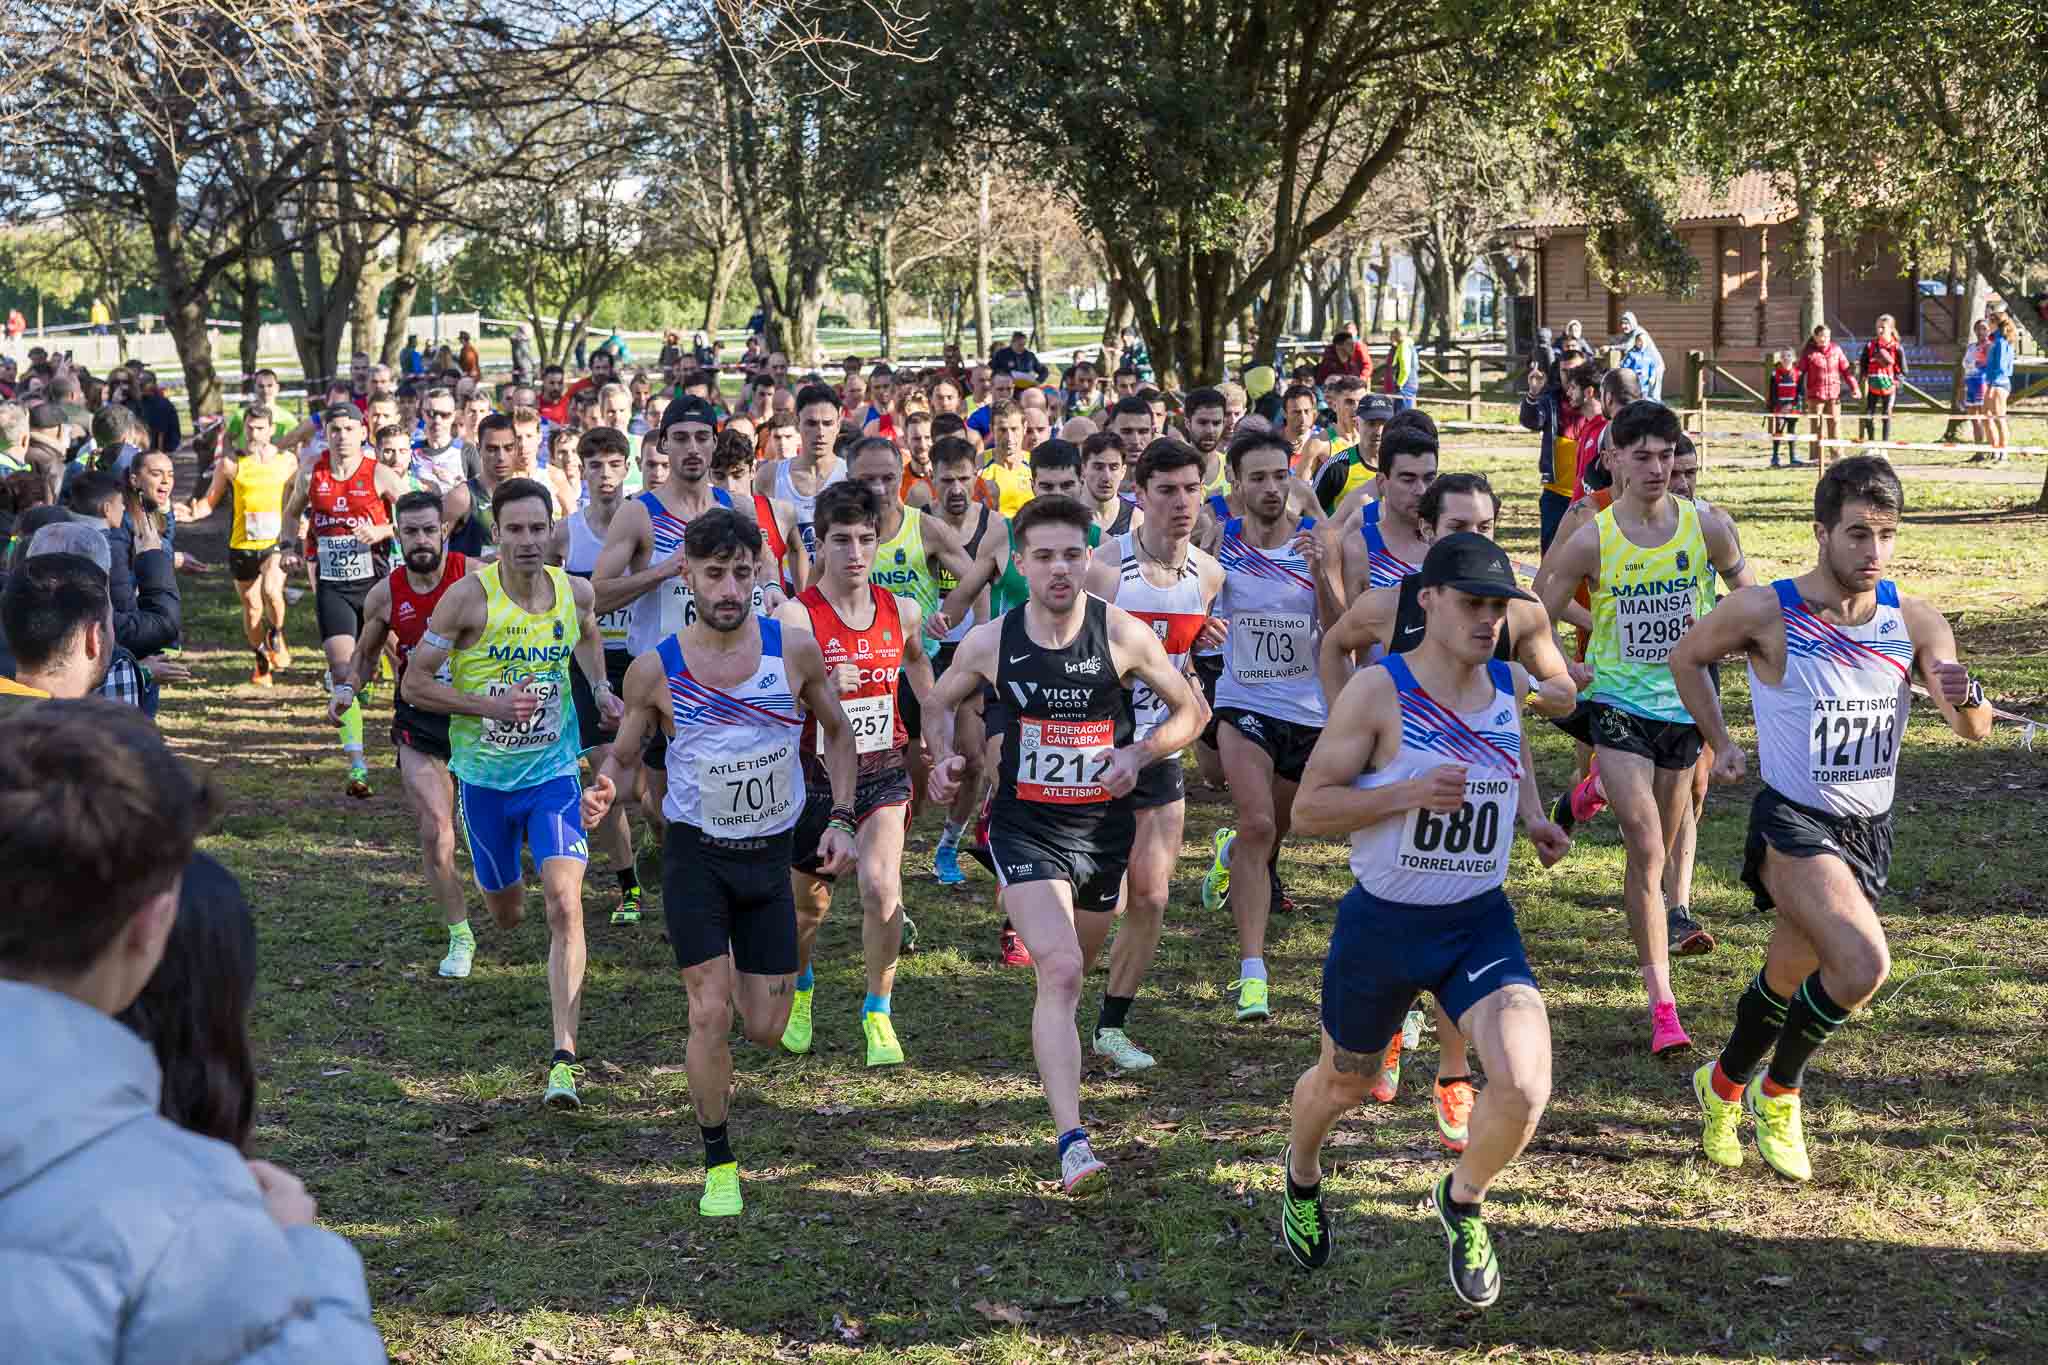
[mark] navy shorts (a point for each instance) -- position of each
(1383, 954)
(548, 819)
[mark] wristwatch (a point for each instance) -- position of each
(1974, 698)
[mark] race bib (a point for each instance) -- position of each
(1271, 646)
(262, 525)
(1652, 626)
(1853, 739)
(1062, 762)
(612, 626)
(344, 559)
(873, 721)
(749, 793)
(1471, 841)
(537, 731)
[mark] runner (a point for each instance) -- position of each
(1158, 576)
(1646, 560)
(507, 633)
(1338, 485)
(1389, 543)
(1831, 657)
(782, 548)
(1306, 448)
(725, 700)
(1278, 588)
(578, 540)
(954, 460)
(1103, 465)
(1423, 766)
(869, 637)
(256, 474)
(798, 481)
(347, 496)
(397, 610)
(1006, 481)
(1062, 823)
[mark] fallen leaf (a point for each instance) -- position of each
(1776, 1281)
(620, 1355)
(1157, 1312)
(1001, 1312)
(850, 1330)
(612, 1069)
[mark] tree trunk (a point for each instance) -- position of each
(365, 325)
(983, 348)
(1381, 288)
(1041, 321)
(252, 320)
(1967, 305)
(185, 315)
(1116, 305)
(725, 263)
(405, 289)
(1812, 265)
(885, 286)
(1318, 298)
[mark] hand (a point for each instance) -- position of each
(937, 624)
(846, 677)
(672, 567)
(1953, 679)
(611, 709)
(147, 537)
(1581, 673)
(515, 707)
(335, 705)
(291, 560)
(1729, 765)
(772, 596)
(1213, 633)
(169, 671)
(597, 800)
(835, 851)
(1441, 789)
(1122, 773)
(1552, 843)
(944, 783)
(284, 1195)
(1309, 546)
(1535, 380)
(192, 564)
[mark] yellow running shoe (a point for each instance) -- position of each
(561, 1091)
(796, 1035)
(722, 1192)
(1216, 881)
(1780, 1140)
(1721, 1137)
(1251, 999)
(883, 1049)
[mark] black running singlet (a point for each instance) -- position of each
(1409, 620)
(1066, 710)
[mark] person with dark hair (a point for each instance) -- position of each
(1831, 657)
(815, 467)
(1019, 361)
(142, 582)
(1645, 561)
(723, 702)
(1390, 541)
(1061, 823)
(1306, 447)
(254, 477)
(1006, 480)
(507, 635)
(1344, 357)
(1103, 466)
(59, 627)
(784, 565)
(141, 1239)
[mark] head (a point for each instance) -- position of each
(978, 381)
(1459, 502)
(151, 477)
(1102, 467)
(1037, 420)
(59, 620)
(783, 439)
(264, 387)
(916, 435)
(882, 386)
(954, 460)
(733, 461)
(1582, 386)
(394, 447)
(1170, 481)
(438, 415)
(1130, 418)
(853, 391)
(1408, 463)
(382, 382)
(817, 420)
(101, 495)
(689, 432)
(600, 368)
(602, 455)
(1619, 388)
(1820, 337)
(615, 406)
(654, 462)
(944, 394)
(720, 550)
(1056, 470)
(874, 463)
(847, 519)
(1857, 506)
(498, 446)
(1346, 392)
(1006, 430)
(1052, 551)
(1887, 327)
(359, 373)
(552, 381)
(1259, 463)
(1685, 467)
(422, 531)
(1981, 329)
(1125, 381)
(1466, 584)
(778, 367)
(1299, 406)
(97, 822)
(1641, 445)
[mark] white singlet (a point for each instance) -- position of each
(580, 559)
(1175, 614)
(669, 606)
(733, 769)
(1269, 597)
(806, 506)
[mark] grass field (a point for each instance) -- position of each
(912, 1215)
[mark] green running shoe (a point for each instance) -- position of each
(561, 1091)
(722, 1192)
(461, 954)
(883, 1049)
(1721, 1137)
(1216, 881)
(1251, 999)
(359, 783)
(1780, 1138)
(628, 911)
(1475, 1270)
(796, 1035)
(1304, 1223)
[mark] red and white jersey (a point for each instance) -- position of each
(336, 508)
(772, 542)
(877, 652)
(411, 610)
(1176, 615)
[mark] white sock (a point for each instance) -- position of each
(1252, 969)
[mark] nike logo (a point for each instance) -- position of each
(1474, 976)
(1018, 658)
(1411, 630)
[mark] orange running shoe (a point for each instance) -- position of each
(1388, 1083)
(1454, 1111)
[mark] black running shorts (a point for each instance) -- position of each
(247, 565)
(1671, 745)
(1862, 842)
(423, 732)
(729, 894)
(590, 734)
(1286, 743)
(874, 792)
(1160, 784)
(1092, 863)
(339, 607)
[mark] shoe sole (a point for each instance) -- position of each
(561, 1102)
(1698, 943)
(455, 976)
(794, 1051)
(1089, 1183)
(1455, 1146)
(1256, 1012)
(1128, 1066)
(1700, 1088)
(1293, 1252)
(1450, 1250)
(703, 1212)
(1765, 1157)
(1673, 1048)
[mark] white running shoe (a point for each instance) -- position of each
(1126, 1055)
(461, 953)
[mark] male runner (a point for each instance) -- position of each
(507, 634)
(1340, 482)
(783, 561)
(870, 637)
(1831, 658)
(577, 542)
(1102, 479)
(1645, 560)
(347, 496)
(1062, 825)
(1279, 587)
(1306, 448)
(1382, 540)
(397, 610)
(1132, 421)
(1156, 574)
(1206, 415)
(1423, 766)
(256, 475)
(954, 461)
(1006, 482)
(725, 700)
(798, 481)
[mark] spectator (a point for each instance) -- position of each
(1882, 365)
(1404, 376)
(13, 438)
(46, 452)
(1784, 407)
(143, 1240)
(1649, 369)
(195, 1010)
(118, 435)
(705, 350)
(522, 351)
(466, 359)
(1544, 410)
(1019, 361)
(1575, 342)
(160, 415)
(60, 627)
(1974, 355)
(141, 576)
(410, 361)
(2000, 351)
(1345, 355)
(1823, 369)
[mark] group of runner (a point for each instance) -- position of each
(777, 659)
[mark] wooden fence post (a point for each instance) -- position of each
(1696, 388)
(1473, 373)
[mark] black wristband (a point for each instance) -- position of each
(844, 813)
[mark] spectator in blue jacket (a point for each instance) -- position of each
(1999, 354)
(1639, 355)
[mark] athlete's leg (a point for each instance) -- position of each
(431, 794)
(1209, 764)
(880, 848)
(1511, 1029)
(1147, 880)
(1820, 900)
(340, 650)
(1336, 1084)
(1043, 914)
(813, 903)
(250, 596)
(1453, 1058)
(763, 1003)
(1638, 791)
(561, 880)
(707, 1056)
(613, 837)
(272, 580)
(1249, 770)
(1678, 868)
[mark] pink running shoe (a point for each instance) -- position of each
(1588, 800)
(1666, 1033)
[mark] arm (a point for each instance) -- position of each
(295, 501)
(1549, 837)
(456, 505)
(1145, 659)
(917, 665)
(974, 663)
(1725, 549)
(1327, 803)
(590, 653)
(457, 623)
(1363, 624)
(1537, 652)
(629, 536)
(646, 696)
(297, 436)
(1325, 556)
(153, 623)
(1739, 624)
(1947, 681)
(814, 687)
(796, 556)
(200, 508)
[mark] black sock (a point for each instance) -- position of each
(563, 1054)
(1759, 1019)
(717, 1146)
(1809, 1020)
(1115, 1009)
(629, 879)
(1458, 1207)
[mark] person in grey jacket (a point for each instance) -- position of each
(124, 1237)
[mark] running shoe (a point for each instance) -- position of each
(1587, 798)
(1251, 999)
(1304, 1224)
(628, 911)
(561, 1091)
(261, 677)
(946, 865)
(1216, 881)
(1387, 1084)
(1721, 1137)
(1124, 1054)
(461, 954)
(1411, 1029)
(359, 782)
(722, 1192)
(1666, 1033)
(1686, 935)
(1780, 1137)
(1475, 1270)
(280, 656)
(1014, 953)
(796, 1035)
(1454, 1112)
(1082, 1173)
(883, 1049)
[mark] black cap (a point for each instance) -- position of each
(688, 408)
(1376, 407)
(342, 412)
(46, 416)
(1469, 562)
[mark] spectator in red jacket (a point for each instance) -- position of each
(1824, 370)
(1344, 355)
(1883, 365)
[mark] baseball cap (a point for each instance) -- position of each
(688, 408)
(1469, 562)
(341, 412)
(46, 416)
(1376, 407)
